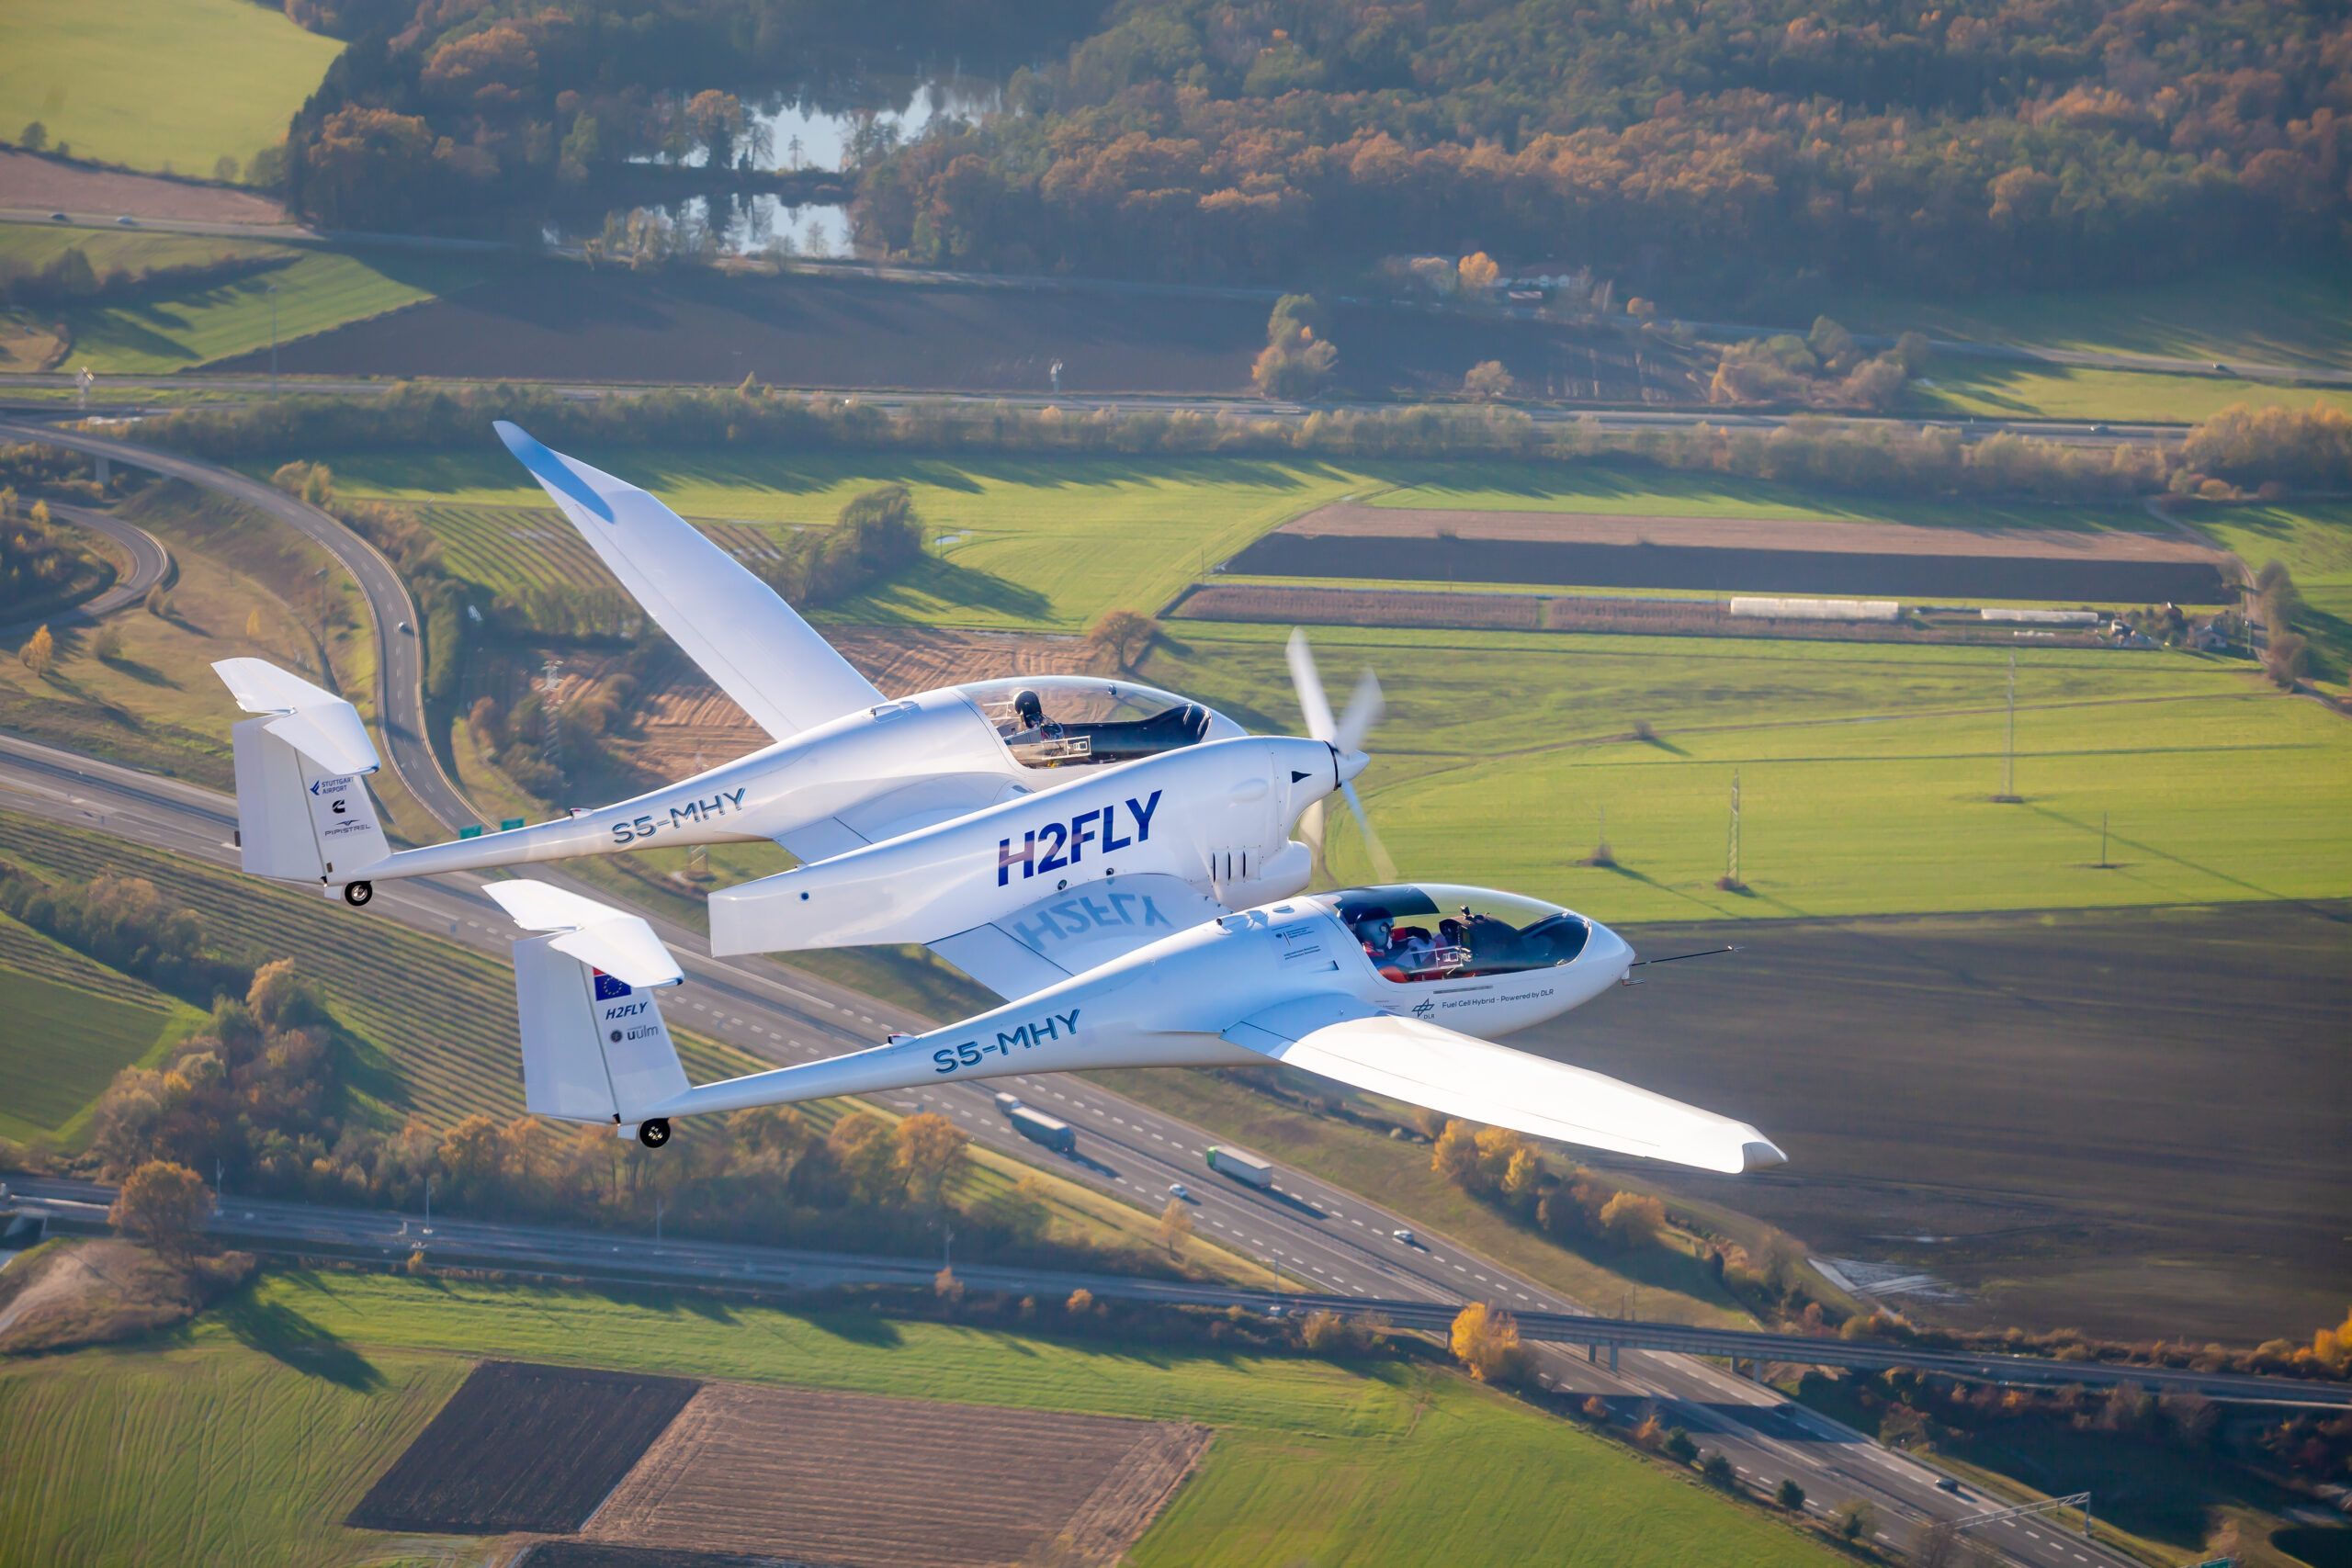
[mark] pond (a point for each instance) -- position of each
(817, 125)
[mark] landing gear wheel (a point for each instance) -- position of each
(356, 894)
(653, 1133)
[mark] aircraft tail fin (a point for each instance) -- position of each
(303, 810)
(594, 1046)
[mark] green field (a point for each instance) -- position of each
(183, 326)
(2267, 318)
(2315, 542)
(171, 86)
(1047, 544)
(135, 251)
(1993, 389)
(72, 1024)
(247, 1438)
(1866, 770)
(1028, 544)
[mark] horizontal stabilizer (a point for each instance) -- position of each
(311, 719)
(612, 940)
(1424, 1065)
(748, 641)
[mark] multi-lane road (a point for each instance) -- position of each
(1326, 1238)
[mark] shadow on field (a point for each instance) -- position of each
(2334, 914)
(857, 1327)
(284, 1334)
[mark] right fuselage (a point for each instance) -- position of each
(1169, 1003)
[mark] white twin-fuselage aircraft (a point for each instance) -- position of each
(1114, 860)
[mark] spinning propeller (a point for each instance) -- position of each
(1346, 735)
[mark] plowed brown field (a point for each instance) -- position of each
(522, 1448)
(842, 1478)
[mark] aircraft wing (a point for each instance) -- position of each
(1064, 934)
(746, 638)
(1420, 1063)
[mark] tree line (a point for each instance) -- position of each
(2247, 447)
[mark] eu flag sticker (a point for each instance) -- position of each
(608, 987)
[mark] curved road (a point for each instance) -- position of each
(151, 563)
(400, 668)
(1328, 1238)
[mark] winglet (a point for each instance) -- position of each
(311, 719)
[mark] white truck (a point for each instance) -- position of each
(1241, 1168)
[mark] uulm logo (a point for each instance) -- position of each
(1058, 846)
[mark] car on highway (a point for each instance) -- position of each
(1177, 1189)
(1946, 1484)
(59, 217)
(126, 221)
(1406, 1236)
(404, 627)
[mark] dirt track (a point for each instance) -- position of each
(843, 1478)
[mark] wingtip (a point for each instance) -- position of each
(558, 474)
(1760, 1153)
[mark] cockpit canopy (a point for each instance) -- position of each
(1065, 721)
(1434, 930)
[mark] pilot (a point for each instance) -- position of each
(1028, 709)
(1374, 928)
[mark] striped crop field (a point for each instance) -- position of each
(534, 559)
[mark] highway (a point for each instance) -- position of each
(1327, 1238)
(151, 563)
(1331, 1241)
